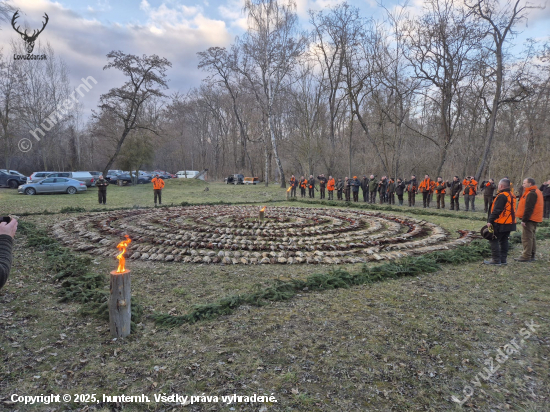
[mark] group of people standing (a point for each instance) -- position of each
(387, 189)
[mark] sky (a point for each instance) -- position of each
(82, 32)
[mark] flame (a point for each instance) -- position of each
(121, 260)
(263, 209)
(288, 190)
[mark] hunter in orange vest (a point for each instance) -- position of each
(330, 187)
(530, 211)
(439, 188)
(303, 185)
(470, 192)
(293, 185)
(425, 188)
(501, 221)
(158, 184)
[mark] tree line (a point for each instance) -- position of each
(443, 91)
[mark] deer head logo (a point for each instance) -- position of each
(32, 38)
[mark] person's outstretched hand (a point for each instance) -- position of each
(8, 228)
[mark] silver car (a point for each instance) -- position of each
(54, 185)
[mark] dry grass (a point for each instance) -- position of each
(402, 345)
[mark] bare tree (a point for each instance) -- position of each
(270, 47)
(146, 78)
(501, 19)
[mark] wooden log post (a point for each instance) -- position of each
(262, 214)
(120, 313)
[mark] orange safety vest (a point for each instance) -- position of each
(292, 181)
(158, 183)
(539, 206)
(507, 217)
(304, 184)
(440, 191)
(471, 185)
(330, 185)
(425, 185)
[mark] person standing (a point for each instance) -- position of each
(303, 185)
(391, 191)
(502, 221)
(365, 188)
(424, 188)
(411, 189)
(399, 190)
(347, 188)
(311, 186)
(340, 188)
(322, 185)
(382, 189)
(158, 184)
(373, 185)
(330, 187)
(456, 187)
(355, 184)
(101, 185)
(545, 189)
(440, 192)
(293, 185)
(7, 234)
(530, 211)
(470, 191)
(488, 189)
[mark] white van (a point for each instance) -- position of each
(187, 174)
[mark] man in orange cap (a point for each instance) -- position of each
(355, 184)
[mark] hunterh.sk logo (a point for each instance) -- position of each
(29, 39)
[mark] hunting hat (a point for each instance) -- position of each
(487, 233)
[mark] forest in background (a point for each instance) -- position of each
(444, 92)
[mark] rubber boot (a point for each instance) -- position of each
(495, 254)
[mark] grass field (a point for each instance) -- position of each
(403, 345)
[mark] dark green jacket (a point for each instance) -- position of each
(102, 184)
(6, 245)
(373, 185)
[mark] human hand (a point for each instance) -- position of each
(523, 224)
(8, 228)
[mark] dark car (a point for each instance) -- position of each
(125, 178)
(12, 180)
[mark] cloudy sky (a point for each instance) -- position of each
(83, 32)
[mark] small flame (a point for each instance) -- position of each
(262, 209)
(288, 190)
(121, 260)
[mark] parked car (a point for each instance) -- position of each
(11, 180)
(85, 177)
(53, 185)
(163, 174)
(251, 180)
(236, 179)
(38, 176)
(111, 173)
(187, 174)
(126, 178)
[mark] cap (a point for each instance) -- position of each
(486, 234)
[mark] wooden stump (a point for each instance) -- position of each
(120, 314)
(262, 215)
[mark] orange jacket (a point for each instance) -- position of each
(158, 183)
(330, 184)
(303, 185)
(425, 185)
(440, 187)
(536, 216)
(507, 216)
(293, 182)
(470, 186)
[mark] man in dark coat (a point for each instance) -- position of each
(322, 185)
(7, 233)
(399, 190)
(339, 188)
(101, 185)
(373, 186)
(390, 191)
(456, 188)
(502, 221)
(311, 186)
(347, 188)
(355, 185)
(365, 188)
(293, 186)
(488, 189)
(411, 189)
(545, 189)
(382, 188)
